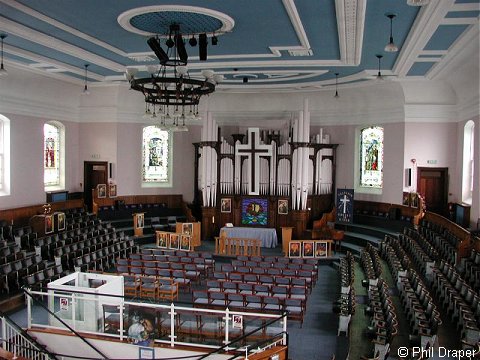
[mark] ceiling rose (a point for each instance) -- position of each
(156, 20)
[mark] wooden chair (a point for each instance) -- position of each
(131, 285)
(168, 289)
(149, 287)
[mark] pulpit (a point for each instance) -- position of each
(138, 224)
(286, 238)
(193, 229)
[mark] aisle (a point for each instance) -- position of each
(317, 339)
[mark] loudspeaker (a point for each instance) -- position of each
(110, 170)
(157, 49)
(182, 53)
(408, 177)
(202, 46)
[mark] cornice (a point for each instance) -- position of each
(57, 111)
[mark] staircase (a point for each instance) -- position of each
(17, 344)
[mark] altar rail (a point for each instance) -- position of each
(21, 215)
(173, 325)
(237, 246)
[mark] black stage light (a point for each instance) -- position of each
(169, 42)
(202, 46)
(157, 49)
(245, 79)
(214, 40)
(192, 41)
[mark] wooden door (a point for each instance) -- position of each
(94, 173)
(432, 184)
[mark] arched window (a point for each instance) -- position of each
(53, 159)
(468, 165)
(371, 157)
(157, 157)
(4, 156)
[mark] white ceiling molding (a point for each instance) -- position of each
(61, 26)
(305, 48)
(428, 59)
(42, 71)
(45, 63)
(274, 79)
(459, 21)
(58, 45)
(422, 30)
(428, 113)
(350, 38)
(351, 25)
(53, 111)
(124, 18)
(458, 51)
(354, 117)
(433, 52)
(466, 7)
(469, 109)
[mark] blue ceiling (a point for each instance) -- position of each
(61, 36)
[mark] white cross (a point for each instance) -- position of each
(344, 201)
(253, 150)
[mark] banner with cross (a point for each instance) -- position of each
(253, 150)
(344, 206)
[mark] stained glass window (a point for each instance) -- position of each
(371, 157)
(468, 162)
(156, 155)
(51, 155)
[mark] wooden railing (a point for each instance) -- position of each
(236, 246)
(20, 216)
(170, 201)
(415, 213)
(465, 239)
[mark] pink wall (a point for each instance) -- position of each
(433, 141)
(129, 165)
(26, 159)
(393, 160)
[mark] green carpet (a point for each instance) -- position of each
(360, 345)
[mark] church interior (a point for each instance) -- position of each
(274, 179)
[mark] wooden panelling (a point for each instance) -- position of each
(21, 215)
(371, 206)
(172, 201)
(267, 354)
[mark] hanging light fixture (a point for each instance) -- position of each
(336, 96)
(169, 88)
(391, 47)
(3, 72)
(85, 88)
(417, 2)
(379, 76)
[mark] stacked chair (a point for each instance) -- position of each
(470, 268)
(423, 257)
(444, 241)
(417, 302)
(461, 302)
(345, 305)
(384, 325)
